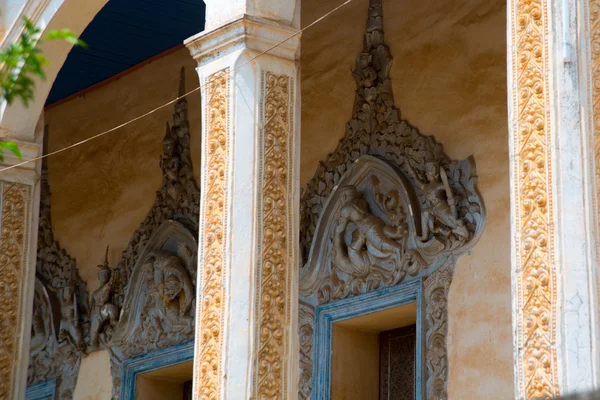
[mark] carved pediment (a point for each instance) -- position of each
(169, 258)
(376, 129)
(146, 302)
(387, 205)
(366, 235)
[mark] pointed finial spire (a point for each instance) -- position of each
(182, 82)
(106, 258)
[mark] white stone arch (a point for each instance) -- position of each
(20, 187)
(17, 121)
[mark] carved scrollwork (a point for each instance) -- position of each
(435, 291)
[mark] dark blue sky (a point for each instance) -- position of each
(123, 34)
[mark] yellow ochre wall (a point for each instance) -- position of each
(102, 190)
(449, 79)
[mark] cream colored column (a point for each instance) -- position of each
(246, 338)
(19, 205)
(555, 289)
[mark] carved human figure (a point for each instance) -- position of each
(439, 205)
(103, 311)
(69, 322)
(169, 163)
(169, 286)
(372, 236)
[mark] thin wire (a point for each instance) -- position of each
(177, 98)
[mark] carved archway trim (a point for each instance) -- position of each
(328, 314)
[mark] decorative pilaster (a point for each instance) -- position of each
(213, 225)
(246, 333)
(18, 231)
(274, 269)
(14, 246)
(555, 310)
(534, 268)
(594, 87)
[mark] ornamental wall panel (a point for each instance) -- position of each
(213, 223)
(534, 274)
(273, 272)
(14, 249)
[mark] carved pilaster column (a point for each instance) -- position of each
(19, 205)
(555, 311)
(247, 293)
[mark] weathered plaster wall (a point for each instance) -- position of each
(354, 364)
(449, 78)
(102, 190)
(94, 381)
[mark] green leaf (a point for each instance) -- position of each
(65, 34)
(10, 146)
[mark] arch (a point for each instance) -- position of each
(18, 120)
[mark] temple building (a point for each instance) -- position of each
(303, 199)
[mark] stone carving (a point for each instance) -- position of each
(376, 129)
(439, 208)
(211, 310)
(534, 272)
(435, 290)
(386, 206)
(152, 289)
(179, 196)
(306, 318)
(170, 286)
(372, 239)
(42, 325)
(105, 314)
(275, 249)
(60, 309)
(159, 300)
(367, 237)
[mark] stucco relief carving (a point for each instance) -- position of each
(15, 201)
(209, 338)
(534, 273)
(145, 303)
(104, 314)
(60, 308)
(152, 289)
(376, 129)
(274, 269)
(387, 206)
(435, 290)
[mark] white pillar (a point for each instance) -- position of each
(555, 300)
(246, 338)
(19, 214)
